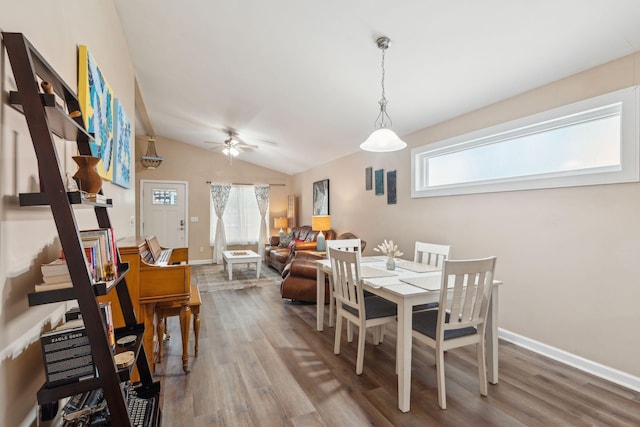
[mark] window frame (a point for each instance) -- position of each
(628, 171)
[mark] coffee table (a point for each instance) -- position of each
(241, 257)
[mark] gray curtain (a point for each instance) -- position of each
(220, 197)
(262, 196)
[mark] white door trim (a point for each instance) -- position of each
(186, 205)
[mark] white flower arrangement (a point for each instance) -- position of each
(389, 249)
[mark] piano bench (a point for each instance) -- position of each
(168, 309)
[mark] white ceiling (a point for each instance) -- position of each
(301, 78)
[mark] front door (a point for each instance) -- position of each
(163, 206)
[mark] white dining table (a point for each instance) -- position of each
(406, 295)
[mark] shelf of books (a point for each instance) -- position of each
(58, 292)
(85, 358)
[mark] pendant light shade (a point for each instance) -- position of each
(383, 139)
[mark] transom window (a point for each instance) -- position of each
(587, 143)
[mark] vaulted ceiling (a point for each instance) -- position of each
(301, 79)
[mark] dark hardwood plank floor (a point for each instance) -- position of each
(262, 363)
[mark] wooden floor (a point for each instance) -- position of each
(262, 363)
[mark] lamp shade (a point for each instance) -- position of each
(383, 140)
(280, 222)
(320, 222)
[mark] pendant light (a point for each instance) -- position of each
(151, 160)
(383, 139)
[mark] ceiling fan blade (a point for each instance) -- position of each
(247, 146)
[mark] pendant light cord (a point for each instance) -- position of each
(383, 116)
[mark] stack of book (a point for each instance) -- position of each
(100, 251)
(101, 257)
(94, 197)
(55, 275)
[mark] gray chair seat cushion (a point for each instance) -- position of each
(375, 308)
(426, 322)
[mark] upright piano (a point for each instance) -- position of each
(150, 284)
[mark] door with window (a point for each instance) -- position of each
(163, 206)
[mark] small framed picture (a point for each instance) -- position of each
(321, 197)
(368, 178)
(379, 182)
(391, 188)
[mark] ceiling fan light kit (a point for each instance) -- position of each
(383, 139)
(233, 146)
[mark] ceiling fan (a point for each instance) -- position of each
(233, 145)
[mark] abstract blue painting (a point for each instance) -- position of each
(122, 147)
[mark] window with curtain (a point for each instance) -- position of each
(241, 216)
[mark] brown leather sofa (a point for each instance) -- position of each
(303, 239)
(299, 276)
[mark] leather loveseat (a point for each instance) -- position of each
(299, 276)
(303, 239)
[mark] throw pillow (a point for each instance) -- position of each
(286, 239)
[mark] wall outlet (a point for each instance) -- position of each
(194, 219)
(201, 248)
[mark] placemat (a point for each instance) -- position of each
(430, 283)
(417, 267)
(369, 272)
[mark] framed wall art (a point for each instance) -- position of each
(96, 102)
(122, 147)
(321, 197)
(379, 182)
(368, 178)
(391, 188)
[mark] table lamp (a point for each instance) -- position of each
(321, 223)
(280, 223)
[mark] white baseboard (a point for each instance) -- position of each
(594, 368)
(200, 261)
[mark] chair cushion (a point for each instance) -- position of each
(375, 307)
(428, 306)
(425, 322)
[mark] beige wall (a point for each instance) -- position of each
(184, 162)
(28, 235)
(567, 256)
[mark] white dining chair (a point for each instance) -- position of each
(350, 245)
(351, 304)
(431, 254)
(465, 293)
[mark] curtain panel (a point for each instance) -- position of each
(219, 196)
(262, 197)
